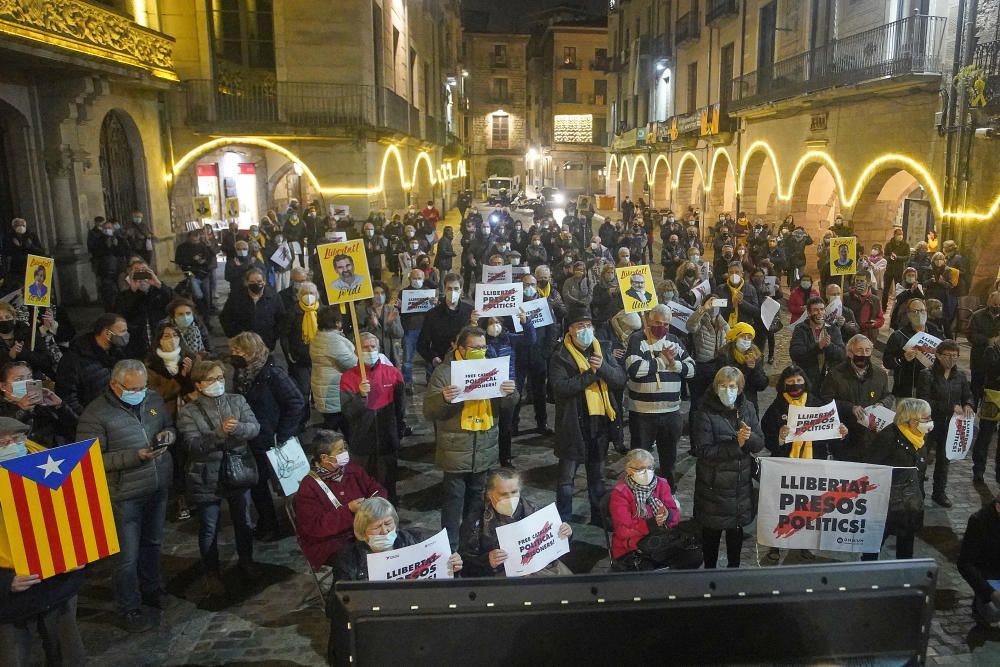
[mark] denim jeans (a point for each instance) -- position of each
(208, 531)
(267, 517)
(595, 487)
(409, 352)
(58, 631)
(463, 502)
(139, 522)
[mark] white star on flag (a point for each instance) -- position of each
(51, 467)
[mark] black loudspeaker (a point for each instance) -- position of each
(876, 613)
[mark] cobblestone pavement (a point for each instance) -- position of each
(273, 623)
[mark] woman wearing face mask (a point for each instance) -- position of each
(903, 445)
(376, 529)
(644, 518)
(380, 317)
(213, 423)
(726, 435)
(332, 354)
(799, 295)
(21, 243)
(607, 299)
(328, 497)
(195, 339)
(795, 254)
(480, 548)
(241, 262)
(536, 253)
(15, 343)
(741, 353)
(503, 341)
(578, 289)
(941, 283)
(278, 405)
(302, 325)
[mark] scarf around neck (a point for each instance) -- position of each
(245, 376)
(734, 316)
(171, 360)
(916, 438)
(596, 393)
(642, 495)
(191, 338)
(310, 325)
(801, 449)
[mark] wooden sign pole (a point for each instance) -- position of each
(357, 341)
(34, 327)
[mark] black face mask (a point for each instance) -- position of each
(256, 288)
(238, 362)
(794, 390)
(861, 361)
(7, 326)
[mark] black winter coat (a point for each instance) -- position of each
(352, 561)
(84, 372)
(979, 560)
(776, 416)
(944, 393)
(142, 312)
(904, 373)
(891, 448)
(480, 538)
(844, 386)
(277, 404)
(441, 326)
(265, 317)
(723, 487)
(804, 351)
(982, 327)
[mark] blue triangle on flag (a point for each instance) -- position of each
(50, 467)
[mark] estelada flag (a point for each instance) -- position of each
(57, 509)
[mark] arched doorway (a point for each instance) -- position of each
(815, 201)
(639, 185)
(661, 182)
(690, 185)
(123, 178)
(289, 182)
(893, 196)
(722, 195)
(759, 188)
(16, 187)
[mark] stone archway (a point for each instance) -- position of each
(660, 191)
(123, 167)
(722, 191)
(879, 204)
(689, 185)
(16, 183)
(639, 184)
(815, 199)
(759, 188)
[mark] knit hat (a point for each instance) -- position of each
(11, 425)
(577, 314)
(739, 329)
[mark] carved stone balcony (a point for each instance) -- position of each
(80, 28)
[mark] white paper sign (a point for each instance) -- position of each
(282, 256)
(426, 560)
(813, 423)
(802, 318)
(770, 285)
(498, 275)
(822, 505)
(681, 313)
(492, 300)
(701, 290)
(768, 309)
(719, 303)
(518, 271)
(538, 311)
(877, 417)
(533, 542)
(418, 300)
(925, 346)
(297, 247)
(959, 440)
(478, 379)
(833, 310)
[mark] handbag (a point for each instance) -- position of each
(906, 502)
(238, 468)
(989, 407)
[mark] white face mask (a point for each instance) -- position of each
(925, 427)
(742, 344)
(507, 506)
(343, 459)
(494, 330)
(309, 299)
(727, 395)
(642, 477)
(416, 284)
(454, 295)
(735, 279)
(382, 542)
(215, 389)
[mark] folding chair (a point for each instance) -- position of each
(321, 576)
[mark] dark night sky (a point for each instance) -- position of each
(507, 13)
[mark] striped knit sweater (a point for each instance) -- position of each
(643, 363)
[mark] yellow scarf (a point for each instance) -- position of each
(734, 316)
(546, 291)
(598, 398)
(309, 324)
(916, 438)
(800, 449)
(476, 415)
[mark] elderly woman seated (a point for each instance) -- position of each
(480, 547)
(376, 527)
(644, 518)
(328, 498)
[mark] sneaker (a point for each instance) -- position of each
(942, 499)
(135, 621)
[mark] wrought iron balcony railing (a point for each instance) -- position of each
(688, 27)
(987, 59)
(719, 9)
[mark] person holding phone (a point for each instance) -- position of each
(49, 419)
(143, 304)
(15, 343)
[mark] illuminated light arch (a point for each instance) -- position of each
(635, 161)
(814, 157)
(613, 164)
(250, 141)
(754, 148)
(680, 167)
(656, 165)
(423, 157)
(904, 163)
(714, 164)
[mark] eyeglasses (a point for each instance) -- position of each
(475, 347)
(215, 378)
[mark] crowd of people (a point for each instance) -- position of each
(185, 426)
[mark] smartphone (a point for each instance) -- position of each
(33, 386)
(142, 275)
(161, 441)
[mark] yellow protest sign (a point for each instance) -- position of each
(202, 206)
(345, 271)
(843, 256)
(232, 207)
(636, 286)
(38, 281)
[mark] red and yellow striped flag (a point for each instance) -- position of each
(57, 509)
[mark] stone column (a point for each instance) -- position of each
(75, 277)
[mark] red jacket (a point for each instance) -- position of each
(383, 378)
(629, 528)
(431, 213)
(797, 301)
(322, 529)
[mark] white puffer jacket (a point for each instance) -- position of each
(332, 354)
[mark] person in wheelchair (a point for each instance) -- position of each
(644, 521)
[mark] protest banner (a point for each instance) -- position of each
(282, 256)
(477, 379)
(38, 281)
(518, 271)
(701, 291)
(533, 542)
(925, 345)
(770, 285)
(498, 275)
(843, 256)
(636, 286)
(57, 509)
(877, 417)
(720, 303)
(679, 315)
(345, 271)
(820, 504)
(495, 300)
(424, 560)
(538, 311)
(769, 308)
(202, 206)
(417, 300)
(232, 207)
(833, 310)
(959, 439)
(813, 423)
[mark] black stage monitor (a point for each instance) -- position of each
(876, 613)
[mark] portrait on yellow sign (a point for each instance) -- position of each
(232, 207)
(843, 256)
(636, 286)
(345, 271)
(38, 281)
(202, 206)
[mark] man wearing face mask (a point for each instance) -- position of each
(585, 379)
(816, 346)
(241, 262)
(904, 364)
(856, 384)
(136, 432)
(532, 355)
(375, 410)
(412, 323)
(597, 251)
(795, 254)
(443, 322)
(258, 308)
(143, 304)
(720, 267)
(865, 306)
(467, 433)
(480, 548)
(742, 300)
(85, 370)
(375, 249)
(897, 254)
